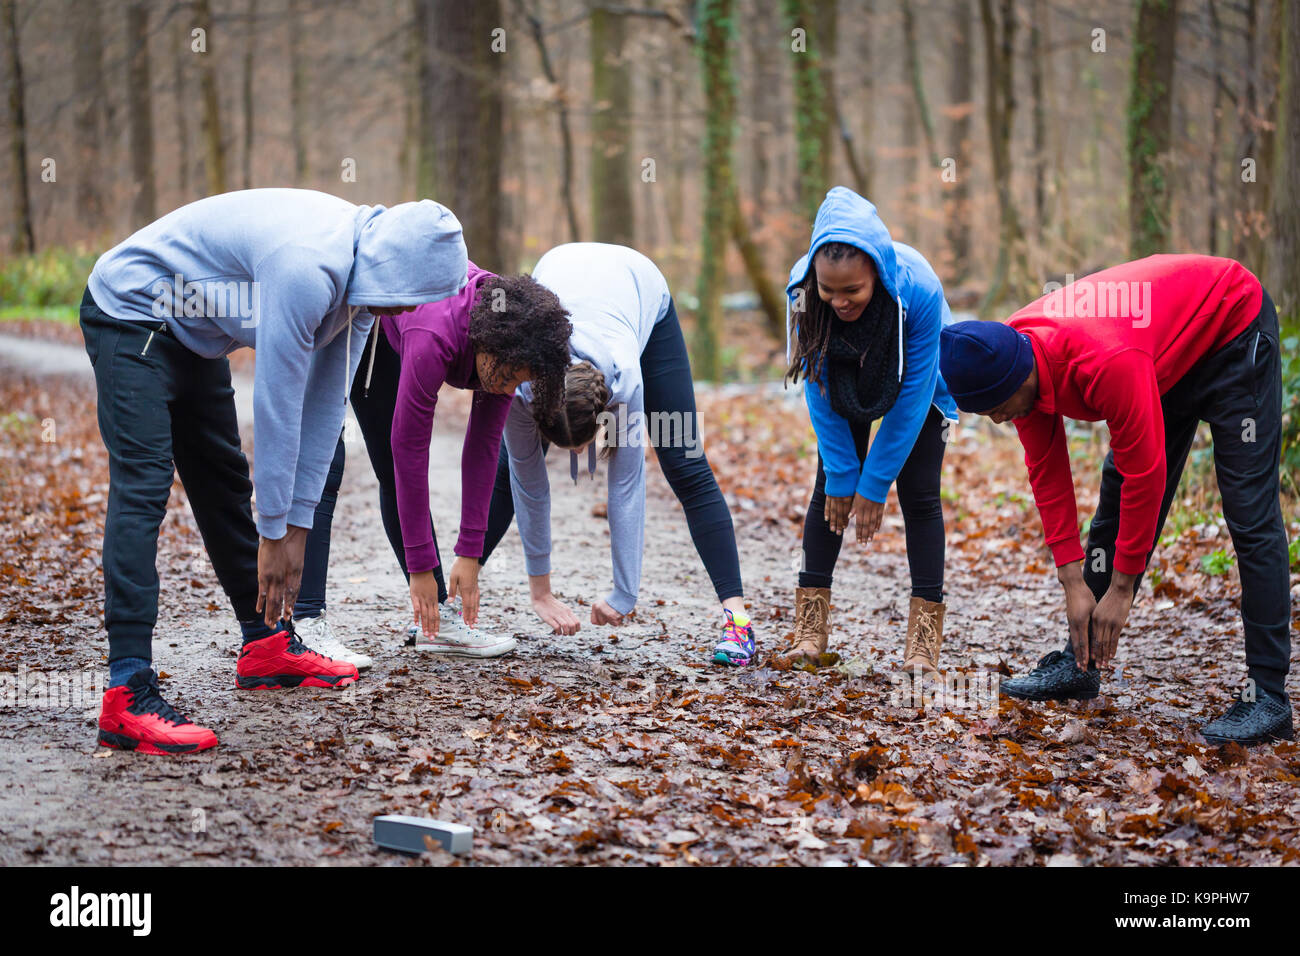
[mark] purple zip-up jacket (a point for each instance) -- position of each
(433, 344)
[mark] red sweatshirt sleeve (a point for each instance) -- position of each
(1126, 391)
(1047, 457)
(478, 469)
(424, 368)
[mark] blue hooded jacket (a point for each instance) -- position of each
(846, 217)
(287, 272)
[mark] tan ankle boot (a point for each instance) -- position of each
(812, 624)
(924, 636)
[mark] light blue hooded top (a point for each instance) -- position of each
(846, 217)
(287, 272)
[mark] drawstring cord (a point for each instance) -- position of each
(375, 332)
(352, 314)
(900, 340)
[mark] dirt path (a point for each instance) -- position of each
(626, 745)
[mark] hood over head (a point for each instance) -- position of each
(846, 217)
(408, 254)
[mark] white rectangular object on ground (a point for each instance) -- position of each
(406, 834)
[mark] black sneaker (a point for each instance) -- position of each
(1259, 721)
(1057, 677)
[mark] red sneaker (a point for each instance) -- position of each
(282, 660)
(134, 716)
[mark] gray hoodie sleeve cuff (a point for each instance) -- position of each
(302, 513)
(537, 564)
(621, 601)
(272, 527)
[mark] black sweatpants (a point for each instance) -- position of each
(669, 391)
(1238, 391)
(161, 405)
(374, 408)
(918, 498)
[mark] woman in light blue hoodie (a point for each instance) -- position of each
(865, 317)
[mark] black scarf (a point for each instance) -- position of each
(862, 361)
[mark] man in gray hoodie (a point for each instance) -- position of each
(297, 275)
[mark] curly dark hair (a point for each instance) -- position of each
(521, 324)
(577, 420)
(810, 326)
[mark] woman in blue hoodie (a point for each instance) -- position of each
(865, 317)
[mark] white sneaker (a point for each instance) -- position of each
(317, 634)
(458, 639)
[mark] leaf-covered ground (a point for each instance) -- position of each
(627, 745)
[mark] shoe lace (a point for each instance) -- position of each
(927, 636)
(811, 615)
(297, 647)
(147, 700)
(1049, 661)
(731, 631)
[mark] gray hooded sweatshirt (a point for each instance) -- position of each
(287, 272)
(615, 297)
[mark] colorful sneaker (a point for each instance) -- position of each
(455, 638)
(319, 636)
(737, 645)
(134, 716)
(282, 660)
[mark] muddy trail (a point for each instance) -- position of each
(622, 744)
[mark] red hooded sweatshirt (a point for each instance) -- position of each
(1107, 347)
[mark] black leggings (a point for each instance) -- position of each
(316, 558)
(668, 389)
(374, 408)
(918, 497)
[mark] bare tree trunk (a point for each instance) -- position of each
(916, 80)
(957, 213)
(298, 92)
(214, 156)
(612, 211)
(999, 60)
(762, 40)
(1284, 257)
(180, 42)
(23, 239)
(1038, 116)
(250, 45)
(140, 109)
(770, 300)
(410, 104)
(812, 117)
(88, 81)
(1214, 29)
(717, 27)
(462, 130)
(562, 120)
(1150, 125)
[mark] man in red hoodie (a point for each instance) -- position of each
(1152, 348)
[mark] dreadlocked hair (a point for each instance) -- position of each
(522, 325)
(810, 317)
(577, 420)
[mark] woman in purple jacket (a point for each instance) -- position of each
(496, 333)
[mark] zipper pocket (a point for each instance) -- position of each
(161, 328)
